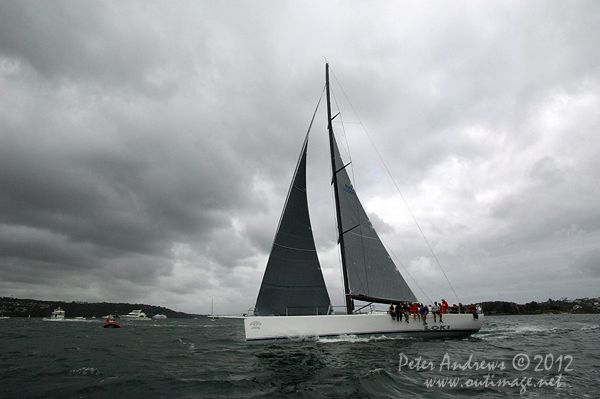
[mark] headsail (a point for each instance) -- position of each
(372, 275)
(293, 283)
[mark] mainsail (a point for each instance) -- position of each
(369, 272)
(293, 283)
(372, 275)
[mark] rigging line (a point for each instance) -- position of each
(353, 182)
(342, 123)
(341, 274)
(398, 189)
(292, 187)
(405, 269)
(335, 222)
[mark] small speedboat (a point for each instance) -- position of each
(111, 323)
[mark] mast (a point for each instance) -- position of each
(348, 297)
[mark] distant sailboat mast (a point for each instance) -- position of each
(347, 294)
(212, 311)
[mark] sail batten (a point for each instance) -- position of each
(295, 249)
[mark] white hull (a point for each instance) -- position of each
(57, 315)
(260, 328)
(135, 315)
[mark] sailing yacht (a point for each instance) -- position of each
(293, 301)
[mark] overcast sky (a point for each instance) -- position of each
(146, 148)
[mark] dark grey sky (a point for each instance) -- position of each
(146, 147)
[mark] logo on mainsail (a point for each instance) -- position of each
(349, 189)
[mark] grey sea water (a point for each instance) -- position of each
(545, 356)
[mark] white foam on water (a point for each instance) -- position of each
(86, 371)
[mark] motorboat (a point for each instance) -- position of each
(57, 314)
(111, 323)
(135, 315)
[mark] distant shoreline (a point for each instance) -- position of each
(530, 314)
(15, 307)
(551, 306)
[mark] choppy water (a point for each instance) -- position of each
(181, 358)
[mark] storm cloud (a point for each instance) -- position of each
(146, 148)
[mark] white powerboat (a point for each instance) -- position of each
(135, 315)
(57, 314)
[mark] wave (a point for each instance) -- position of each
(590, 327)
(73, 320)
(86, 371)
(351, 338)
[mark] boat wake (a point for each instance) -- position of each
(350, 338)
(499, 332)
(72, 320)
